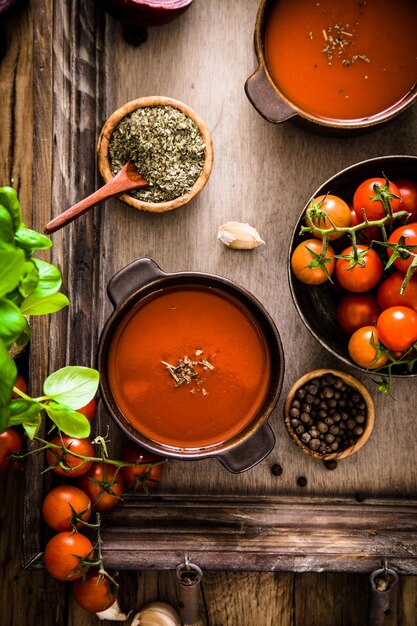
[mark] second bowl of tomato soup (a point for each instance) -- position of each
(191, 365)
(335, 63)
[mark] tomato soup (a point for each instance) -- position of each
(342, 59)
(189, 367)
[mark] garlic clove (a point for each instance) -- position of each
(113, 612)
(156, 614)
(239, 236)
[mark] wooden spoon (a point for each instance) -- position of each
(128, 178)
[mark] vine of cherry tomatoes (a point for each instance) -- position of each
(372, 257)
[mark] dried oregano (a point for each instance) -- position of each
(166, 147)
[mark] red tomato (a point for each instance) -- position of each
(102, 486)
(88, 410)
(10, 442)
(93, 594)
(304, 254)
(357, 310)
(142, 477)
(336, 209)
(409, 232)
(21, 384)
(388, 293)
(397, 327)
(72, 466)
(61, 554)
(361, 350)
(56, 508)
(363, 199)
(359, 278)
(408, 193)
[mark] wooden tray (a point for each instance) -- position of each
(348, 519)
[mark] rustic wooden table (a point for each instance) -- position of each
(81, 71)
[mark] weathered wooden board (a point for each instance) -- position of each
(263, 174)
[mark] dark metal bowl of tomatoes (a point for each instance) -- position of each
(355, 290)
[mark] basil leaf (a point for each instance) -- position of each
(49, 278)
(73, 385)
(40, 305)
(6, 226)
(8, 375)
(31, 240)
(22, 410)
(8, 199)
(69, 421)
(29, 280)
(32, 427)
(13, 325)
(12, 263)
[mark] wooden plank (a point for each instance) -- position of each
(266, 534)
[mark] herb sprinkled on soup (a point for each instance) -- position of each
(342, 59)
(189, 367)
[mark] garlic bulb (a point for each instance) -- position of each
(239, 236)
(156, 614)
(113, 612)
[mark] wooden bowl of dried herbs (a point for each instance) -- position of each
(170, 146)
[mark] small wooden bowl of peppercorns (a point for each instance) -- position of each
(329, 414)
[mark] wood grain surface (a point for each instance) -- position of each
(263, 174)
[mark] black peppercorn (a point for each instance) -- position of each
(294, 422)
(294, 412)
(300, 393)
(300, 429)
(276, 469)
(305, 417)
(301, 481)
(314, 444)
(330, 465)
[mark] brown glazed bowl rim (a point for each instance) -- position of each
(349, 176)
(267, 327)
(352, 382)
(363, 123)
(148, 101)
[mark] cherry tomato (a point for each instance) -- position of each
(409, 232)
(302, 257)
(61, 554)
(102, 486)
(408, 193)
(10, 442)
(359, 278)
(388, 293)
(56, 508)
(374, 209)
(357, 310)
(88, 410)
(142, 477)
(361, 350)
(21, 384)
(72, 466)
(336, 209)
(94, 593)
(397, 327)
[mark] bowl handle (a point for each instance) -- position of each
(251, 452)
(265, 99)
(131, 278)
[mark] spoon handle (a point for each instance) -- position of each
(118, 184)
